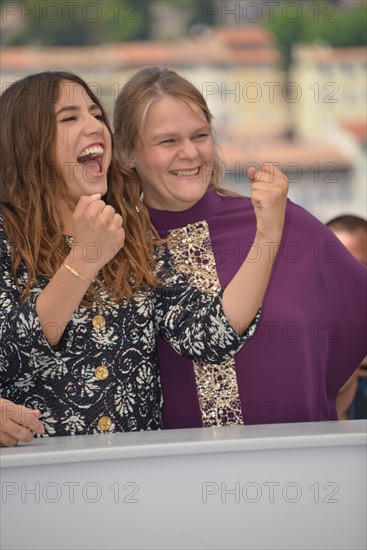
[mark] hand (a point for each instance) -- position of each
(18, 423)
(98, 233)
(269, 198)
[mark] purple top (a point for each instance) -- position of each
(312, 333)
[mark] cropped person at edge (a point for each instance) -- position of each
(311, 336)
(351, 403)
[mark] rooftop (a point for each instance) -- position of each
(223, 46)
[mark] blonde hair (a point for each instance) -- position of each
(144, 87)
(32, 183)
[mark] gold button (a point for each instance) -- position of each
(104, 423)
(98, 321)
(101, 372)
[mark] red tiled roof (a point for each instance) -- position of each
(246, 35)
(215, 49)
(132, 55)
(329, 55)
(358, 129)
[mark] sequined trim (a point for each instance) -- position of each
(192, 254)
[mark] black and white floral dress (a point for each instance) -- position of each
(103, 375)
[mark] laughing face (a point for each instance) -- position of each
(176, 158)
(83, 142)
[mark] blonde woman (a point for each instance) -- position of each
(312, 332)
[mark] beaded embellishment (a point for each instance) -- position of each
(191, 251)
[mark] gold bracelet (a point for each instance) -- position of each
(76, 274)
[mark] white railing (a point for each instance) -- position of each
(299, 486)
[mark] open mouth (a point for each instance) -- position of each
(186, 173)
(91, 159)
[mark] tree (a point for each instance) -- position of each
(314, 21)
(73, 23)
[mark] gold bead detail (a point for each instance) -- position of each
(98, 321)
(104, 423)
(101, 372)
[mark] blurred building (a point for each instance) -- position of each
(237, 70)
(334, 87)
(311, 124)
(331, 111)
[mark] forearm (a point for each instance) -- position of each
(193, 322)
(245, 293)
(61, 297)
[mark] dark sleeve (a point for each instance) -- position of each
(194, 323)
(22, 340)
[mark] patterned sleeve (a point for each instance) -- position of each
(194, 323)
(21, 335)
